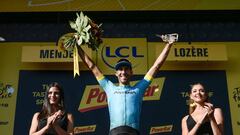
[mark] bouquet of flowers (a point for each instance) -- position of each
(87, 33)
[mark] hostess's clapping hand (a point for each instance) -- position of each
(210, 109)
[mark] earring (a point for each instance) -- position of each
(193, 104)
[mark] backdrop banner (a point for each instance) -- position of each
(165, 101)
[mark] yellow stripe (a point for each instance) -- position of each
(148, 77)
(99, 78)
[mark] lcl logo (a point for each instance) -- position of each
(119, 52)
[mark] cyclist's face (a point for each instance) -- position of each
(124, 74)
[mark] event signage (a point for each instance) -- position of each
(113, 49)
(94, 97)
(196, 52)
(48, 54)
(166, 95)
(161, 129)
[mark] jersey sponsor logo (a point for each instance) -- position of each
(125, 92)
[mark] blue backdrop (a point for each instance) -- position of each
(169, 110)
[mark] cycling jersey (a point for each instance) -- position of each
(124, 102)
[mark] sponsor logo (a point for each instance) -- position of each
(108, 53)
(95, 98)
(39, 94)
(85, 129)
(6, 91)
(236, 98)
(125, 92)
(236, 95)
(161, 129)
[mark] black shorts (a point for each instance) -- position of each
(124, 130)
